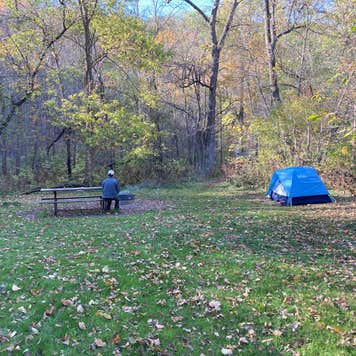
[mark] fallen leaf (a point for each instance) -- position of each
(34, 331)
(127, 309)
(104, 315)
(277, 332)
(15, 288)
(214, 305)
(243, 340)
(67, 302)
(154, 341)
(295, 326)
(251, 334)
(334, 329)
(66, 340)
(116, 338)
(12, 333)
(80, 308)
(13, 347)
(22, 310)
(162, 302)
(50, 311)
(99, 343)
(36, 292)
(320, 326)
(105, 269)
(82, 325)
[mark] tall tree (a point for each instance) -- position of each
(271, 42)
(290, 15)
(217, 41)
(27, 36)
(87, 12)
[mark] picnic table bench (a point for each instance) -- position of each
(77, 198)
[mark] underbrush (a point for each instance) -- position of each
(248, 173)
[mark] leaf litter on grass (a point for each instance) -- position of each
(214, 276)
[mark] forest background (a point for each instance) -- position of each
(170, 91)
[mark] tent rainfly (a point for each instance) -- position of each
(298, 186)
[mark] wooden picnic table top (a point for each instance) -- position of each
(69, 189)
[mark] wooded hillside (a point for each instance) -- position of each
(161, 91)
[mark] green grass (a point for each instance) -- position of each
(222, 269)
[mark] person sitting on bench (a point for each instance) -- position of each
(111, 189)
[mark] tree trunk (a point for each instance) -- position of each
(87, 167)
(87, 12)
(35, 157)
(209, 137)
(67, 131)
(74, 162)
(158, 144)
(69, 161)
(271, 42)
(17, 156)
(4, 157)
(209, 133)
(302, 63)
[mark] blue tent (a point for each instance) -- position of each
(298, 185)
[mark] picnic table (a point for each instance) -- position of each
(58, 198)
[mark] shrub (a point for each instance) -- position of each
(243, 172)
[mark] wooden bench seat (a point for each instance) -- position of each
(68, 200)
(80, 198)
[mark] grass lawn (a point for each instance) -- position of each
(219, 271)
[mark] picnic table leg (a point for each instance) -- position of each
(55, 203)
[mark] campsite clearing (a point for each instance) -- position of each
(221, 271)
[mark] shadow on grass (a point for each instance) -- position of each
(340, 199)
(137, 206)
(301, 238)
(71, 213)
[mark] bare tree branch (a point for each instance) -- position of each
(56, 140)
(289, 30)
(228, 22)
(198, 9)
(179, 108)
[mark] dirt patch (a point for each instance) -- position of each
(137, 206)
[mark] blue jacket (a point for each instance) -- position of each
(111, 188)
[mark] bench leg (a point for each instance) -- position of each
(55, 204)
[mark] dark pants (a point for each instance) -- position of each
(107, 204)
